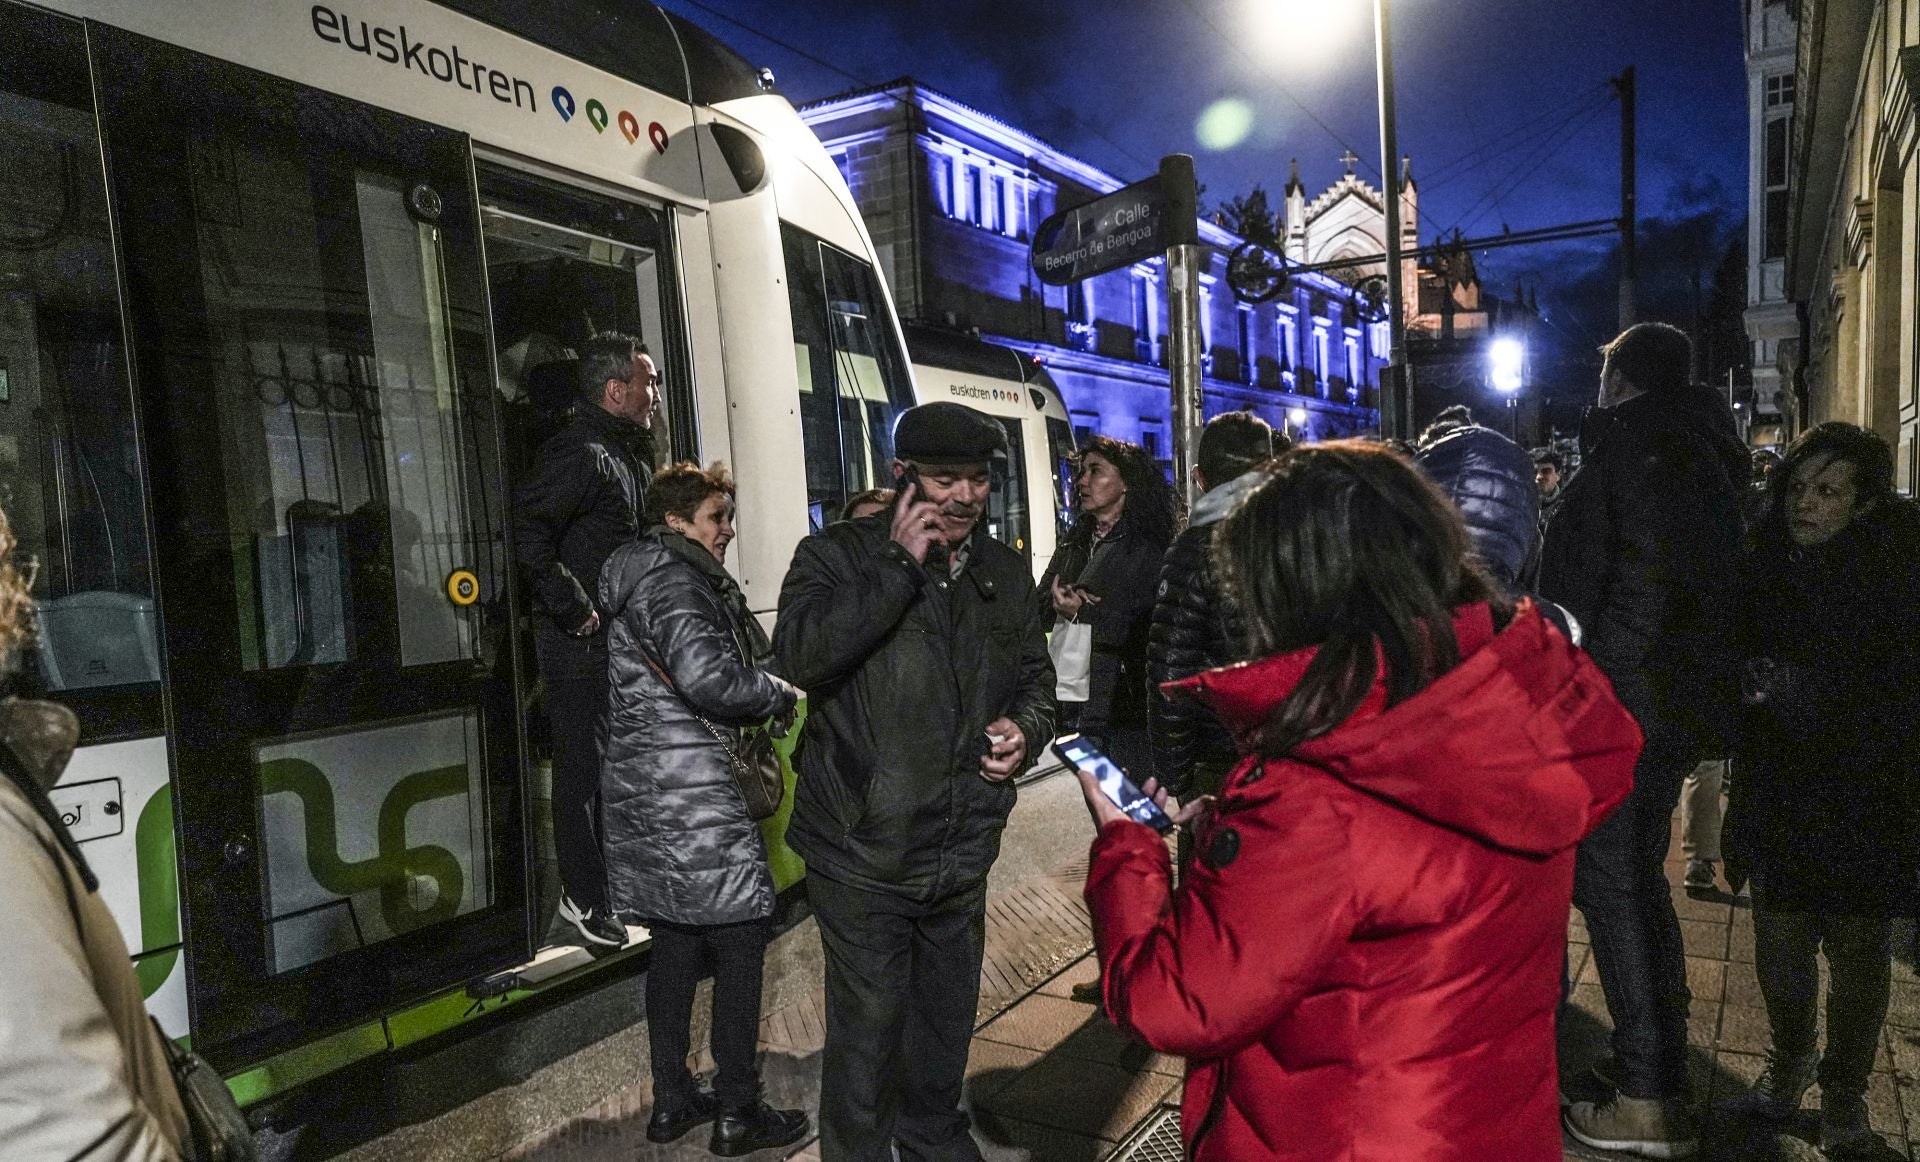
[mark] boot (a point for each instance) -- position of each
(743, 1129)
(1650, 1127)
(673, 1117)
(1844, 1132)
(1776, 1095)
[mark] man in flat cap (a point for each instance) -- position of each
(918, 640)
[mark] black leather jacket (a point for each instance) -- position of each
(583, 499)
(1644, 551)
(904, 667)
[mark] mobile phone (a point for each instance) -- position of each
(1080, 753)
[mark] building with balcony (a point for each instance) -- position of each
(952, 195)
(1772, 324)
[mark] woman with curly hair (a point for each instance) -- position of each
(1104, 574)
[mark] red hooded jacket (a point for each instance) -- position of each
(1365, 960)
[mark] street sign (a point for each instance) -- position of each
(1134, 224)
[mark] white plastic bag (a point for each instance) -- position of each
(1072, 650)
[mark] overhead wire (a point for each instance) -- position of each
(1516, 137)
(1526, 171)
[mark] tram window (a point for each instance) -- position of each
(313, 285)
(853, 375)
(562, 266)
(69, 469)
(1008, 509)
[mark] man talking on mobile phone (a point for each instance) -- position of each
(918, 640)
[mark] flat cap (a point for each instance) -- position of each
(948, 433)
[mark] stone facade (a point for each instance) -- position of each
(1853, 231)
(1771, 321)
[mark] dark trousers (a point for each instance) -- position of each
(903, 979)
(1859, 952)
(1620, 885)
(577, 708)
(678, 956)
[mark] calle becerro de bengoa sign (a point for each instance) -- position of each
(1133, 224)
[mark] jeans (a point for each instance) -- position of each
(1859, 952)
(903, 980)
(577, 708)
(1700, 812)
(1620, 885)
(738, 951)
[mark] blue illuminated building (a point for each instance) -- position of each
(951, 197)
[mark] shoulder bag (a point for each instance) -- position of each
(755, 764)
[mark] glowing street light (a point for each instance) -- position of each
(1507, 359)
(1308, 21)
(1297, 420)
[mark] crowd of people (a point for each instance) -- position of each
(1405, 711)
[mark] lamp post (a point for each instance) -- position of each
(1297, 421)
(1507, 370)
(1396, 410)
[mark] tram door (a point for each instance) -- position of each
(565, 264)
(307, 305)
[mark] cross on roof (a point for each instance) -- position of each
(1350, 158)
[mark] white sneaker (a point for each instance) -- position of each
(593, 926)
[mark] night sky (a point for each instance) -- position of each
(1503, 106)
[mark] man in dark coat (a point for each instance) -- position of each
(1193, 627)
(583, 500)
(918, 640)
(1644, 552)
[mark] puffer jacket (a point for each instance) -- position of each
(583, 499)
(82, 1071)
(679, 844)
(1364, 960)
(904, 667)
(1490, 480)
(1644, 552)
(1194, 628)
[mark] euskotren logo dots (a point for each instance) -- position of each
(396, 46)
(597, 117)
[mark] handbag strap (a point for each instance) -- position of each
(646, 656)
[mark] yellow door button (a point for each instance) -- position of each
(463, 588)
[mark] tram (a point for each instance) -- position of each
(284, 287)
(1028, 510)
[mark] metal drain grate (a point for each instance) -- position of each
(1155, 1140)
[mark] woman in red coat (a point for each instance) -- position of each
(1364, 961)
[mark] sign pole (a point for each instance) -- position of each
(1183, 313)
(1396, 401)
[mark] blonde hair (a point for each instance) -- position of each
(16, 600)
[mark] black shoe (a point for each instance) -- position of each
(671, 1120)
(595, 926)
(744, 1129)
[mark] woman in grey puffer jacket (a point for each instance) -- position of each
(683, 857)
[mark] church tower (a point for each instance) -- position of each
(1296, 248)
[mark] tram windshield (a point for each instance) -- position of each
(853, 375)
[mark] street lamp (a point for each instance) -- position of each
(1507, 371)
(1297, 419)
(1396, 410)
